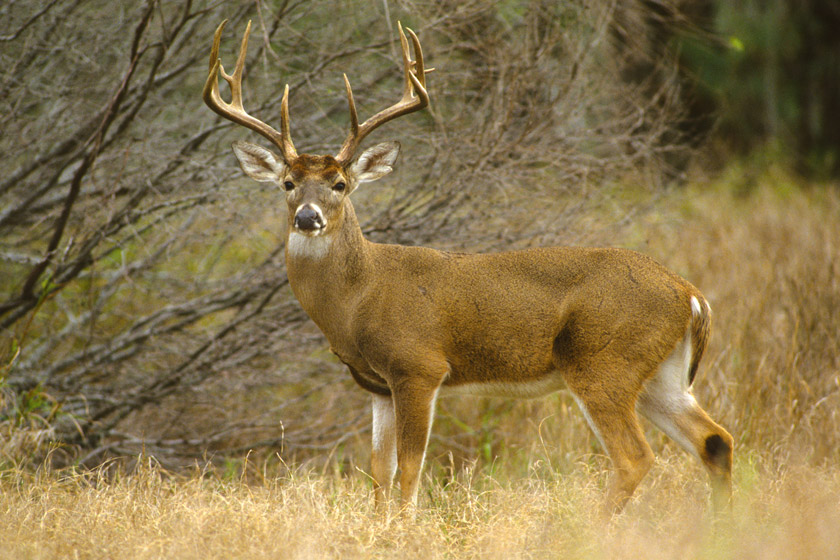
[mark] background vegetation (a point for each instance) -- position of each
(144, 301)
(146, 325)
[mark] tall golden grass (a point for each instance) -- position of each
(767, 258)
(787, 513)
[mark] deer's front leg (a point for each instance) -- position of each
(383, 457)
(414, 406)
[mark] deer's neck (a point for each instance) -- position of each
(327, 272)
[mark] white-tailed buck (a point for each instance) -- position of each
(621, 332)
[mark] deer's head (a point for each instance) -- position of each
(316, 186)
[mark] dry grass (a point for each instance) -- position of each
(789, 513)
(768, 260)
(769, 263)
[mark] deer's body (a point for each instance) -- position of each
(623, 333)
(542, 312)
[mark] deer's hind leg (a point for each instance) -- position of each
(666, 400)
(610, 412)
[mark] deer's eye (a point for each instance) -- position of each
(339, 187)
(288, 185)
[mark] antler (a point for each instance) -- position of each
(415, 83)
(234, 111)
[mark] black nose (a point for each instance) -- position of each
(307, 219)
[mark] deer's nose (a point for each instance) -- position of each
(309, 218)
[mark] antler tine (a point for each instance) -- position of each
(288, 147)
(416, 65)
(234, 111)
(354, 117)
(414, 98)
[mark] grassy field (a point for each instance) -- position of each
(778, 512)
(767, 258)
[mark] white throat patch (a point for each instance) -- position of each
(308, 246)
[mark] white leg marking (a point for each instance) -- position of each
(666, 395)
(589, 420)
(432, 407)
(385, 435)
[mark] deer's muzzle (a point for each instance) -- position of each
(309, 219)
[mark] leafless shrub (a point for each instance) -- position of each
(143, 299)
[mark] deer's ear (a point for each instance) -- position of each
(258, 163)
(376, 162)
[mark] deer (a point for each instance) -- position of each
(622, 333)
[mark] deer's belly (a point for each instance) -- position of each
(523, 389)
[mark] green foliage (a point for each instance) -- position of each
(771, 70)
(33, 405)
